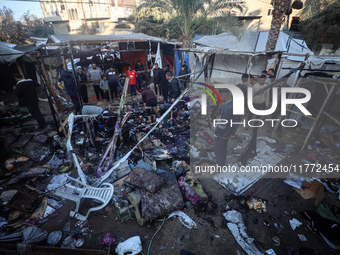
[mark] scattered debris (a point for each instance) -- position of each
(185, 219)
(132, 245)
(294, 223)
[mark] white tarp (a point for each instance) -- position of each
(8, 54)
(227, 41)
(256, 42)
(318, 62)
(285, 43)
(59, 38)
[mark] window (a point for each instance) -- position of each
(62, 7)
(75, 14)
(270, 12)
(69, 14)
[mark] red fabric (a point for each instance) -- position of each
(132, 77)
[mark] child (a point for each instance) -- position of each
(121, 82)
(104, 85)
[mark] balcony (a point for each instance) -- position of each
(54, 17)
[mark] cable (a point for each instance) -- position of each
(155, 235)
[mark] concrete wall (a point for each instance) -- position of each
(261, 8)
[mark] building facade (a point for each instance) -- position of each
(89, 16)
(257, 16)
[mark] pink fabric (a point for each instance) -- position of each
(190, 193)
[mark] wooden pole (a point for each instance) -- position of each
(63, 57)
(50, 67)
(19, 68)
(317, 123)
(47, 80)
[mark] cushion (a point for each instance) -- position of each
(145, 180)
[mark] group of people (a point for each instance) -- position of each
(106, 85)
(166, 85)
(261, 101)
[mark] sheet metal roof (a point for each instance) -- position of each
(63, 38)
(256, 42)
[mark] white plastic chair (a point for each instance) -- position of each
(102, 194)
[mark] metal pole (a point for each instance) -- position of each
(74, 74)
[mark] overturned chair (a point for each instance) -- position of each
(103, 195)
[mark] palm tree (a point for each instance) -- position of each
(281, 8)
(189, 13)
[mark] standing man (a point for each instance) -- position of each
(82, 80)
(224, 131)
(108, 58)
(112, 77)
(164, 84)
(132, 74)
(184, 73)
(157, 79)
(276, 114)
(271, 73)
(70, 87)
(174, 89)
(260, 101)
(139, 68)
(27, 95)
(94, 74)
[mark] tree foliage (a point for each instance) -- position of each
(323, 27)
(19, 32)
(11, 31)
(313, 7)
(36, 27)
(183, 19)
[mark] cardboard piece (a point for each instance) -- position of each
(312, 190)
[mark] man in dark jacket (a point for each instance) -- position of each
(224, 131)
(157, 79)
(139, 68)
(149, 99)
(82, 80)
(183, 72)
(174, 90)
(112, 77)
(27, 95)
(164, 84)
(70, 87)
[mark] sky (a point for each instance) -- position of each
(20, 7)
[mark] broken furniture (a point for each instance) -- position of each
(312, 189)
(102, 194)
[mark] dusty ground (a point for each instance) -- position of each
(212, 235)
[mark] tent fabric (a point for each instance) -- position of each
(8, 45)
(285, 43)
(256, 42)
(318, 62)
(228, 41)
(9, 55)
(62, 38)
(27, 48)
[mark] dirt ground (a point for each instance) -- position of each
(212, 235)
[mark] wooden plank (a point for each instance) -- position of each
(332, 118)
(45, 250)
(317, 122)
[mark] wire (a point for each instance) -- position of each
(155, 235)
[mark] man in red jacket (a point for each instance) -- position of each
(132, 74)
